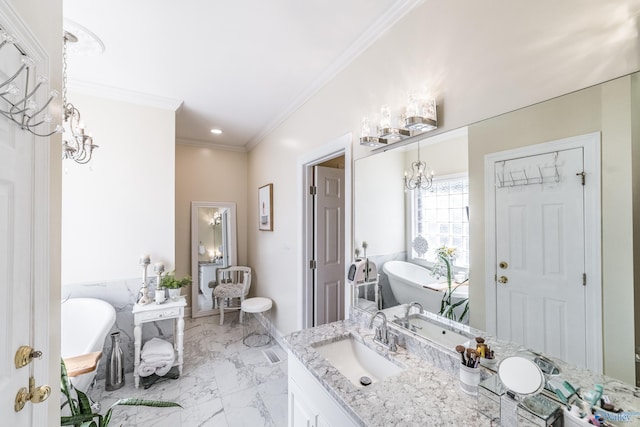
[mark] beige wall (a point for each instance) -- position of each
(117, 207)
(45, 20)
(208, 175)
(604, 108)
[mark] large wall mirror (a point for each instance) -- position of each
(441, 221)
(384, 214)
(213, 246)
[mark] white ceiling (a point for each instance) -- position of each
(242, 66)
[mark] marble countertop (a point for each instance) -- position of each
(421, 395)
(429, 388)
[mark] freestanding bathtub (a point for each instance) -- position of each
(85, 325)
(407, 280)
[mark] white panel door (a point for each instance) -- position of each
(540, 252)
(329, 243)
(16, 193)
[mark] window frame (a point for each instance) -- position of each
(410, 222)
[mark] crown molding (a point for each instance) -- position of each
(124, 95)
(210, 145)
(366, 39)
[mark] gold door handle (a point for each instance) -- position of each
(25, 355)
(503, 279)
(503, 265)
(34, 394)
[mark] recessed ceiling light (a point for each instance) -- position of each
(216, 131)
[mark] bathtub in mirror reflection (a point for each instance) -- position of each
(409, 282)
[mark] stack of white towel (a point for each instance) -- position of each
(157, 357)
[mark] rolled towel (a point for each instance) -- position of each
(157, 357)
(161, 368)
(156, 347)
(144, 369)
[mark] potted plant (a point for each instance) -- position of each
(81, 412)
(444, 267)
(174, 285)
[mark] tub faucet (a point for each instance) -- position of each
(382, 336)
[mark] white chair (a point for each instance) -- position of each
(233, 282)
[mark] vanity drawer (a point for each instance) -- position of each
(158, 314)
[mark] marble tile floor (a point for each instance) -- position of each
(223, 383)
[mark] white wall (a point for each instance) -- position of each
(121, 204)
(379, 214)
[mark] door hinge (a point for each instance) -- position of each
(312, 264)
(582, 176)
(495, 277)
(313, 190)
(584, 279)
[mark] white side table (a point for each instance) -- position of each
(151, 313)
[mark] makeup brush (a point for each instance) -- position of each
(471, 357)
(460, 349)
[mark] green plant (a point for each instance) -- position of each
(82, 414)
(169, 281)
(442, 267)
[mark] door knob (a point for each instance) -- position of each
(34, 394)
(503, 265)
(503, 279)
(25, 355)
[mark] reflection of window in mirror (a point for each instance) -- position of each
(439, 214)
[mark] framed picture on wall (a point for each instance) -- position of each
(265, 208)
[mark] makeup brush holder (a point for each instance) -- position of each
(469, 379)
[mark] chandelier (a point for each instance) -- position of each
(421, 177)
(77, 144)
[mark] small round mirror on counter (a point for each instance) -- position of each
(521, 375)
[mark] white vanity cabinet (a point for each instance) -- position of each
(310, 405)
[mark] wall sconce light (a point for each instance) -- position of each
(420, 116)
(421, 177)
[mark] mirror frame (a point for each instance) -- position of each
(231, 249)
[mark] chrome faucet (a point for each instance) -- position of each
(412, 304)
(382, 333)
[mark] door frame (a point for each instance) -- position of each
(590, 143)
(340, 146)
(44, 307)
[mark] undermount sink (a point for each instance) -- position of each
(356, 361)
(433, 331)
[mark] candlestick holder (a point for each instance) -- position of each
(144, 299)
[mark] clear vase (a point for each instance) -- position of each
(115, 365)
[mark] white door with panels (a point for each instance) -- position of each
(329, 286)
(22, 287)
(540, 253)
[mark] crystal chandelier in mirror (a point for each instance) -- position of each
(420, 176)
(77, 143)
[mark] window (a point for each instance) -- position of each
(440, 215)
